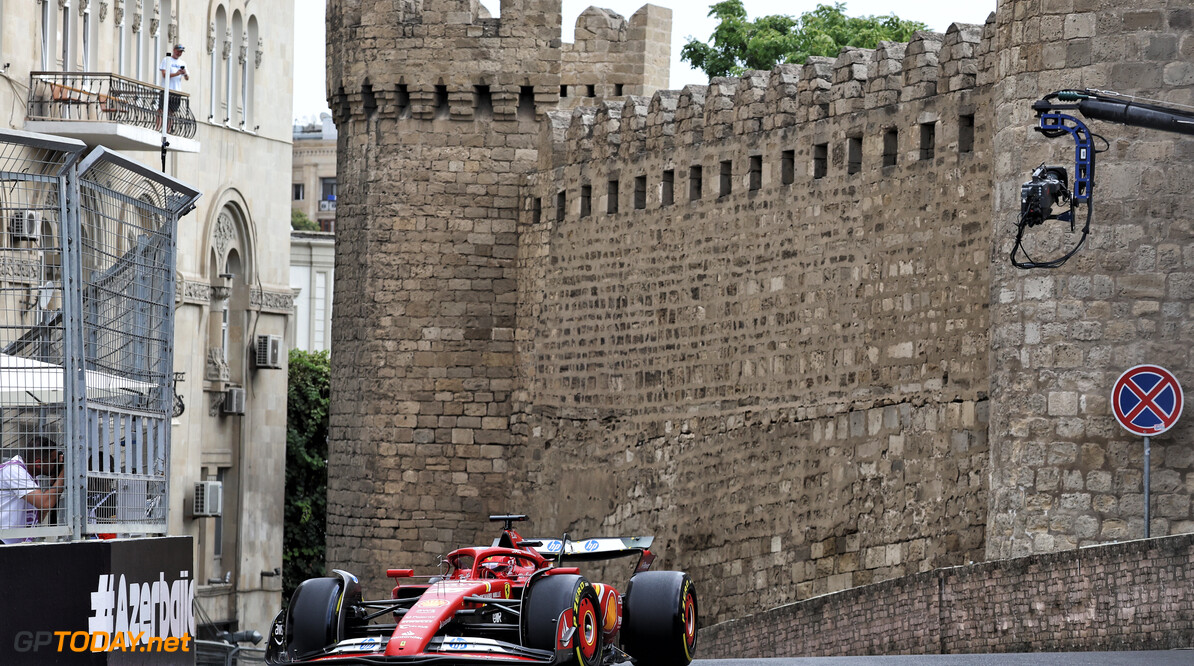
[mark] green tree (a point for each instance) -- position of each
(304, 534)
(739, 44)
(300, 222)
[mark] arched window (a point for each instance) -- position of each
(67, 32)
(89, 36)
(236, 52)
(156, 30)
(252, 62)
(216, 49)
(224, 34)
(120, 22)
(139, 44)
(230, 265)
(49, 36)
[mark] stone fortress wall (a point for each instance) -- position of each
(757, 326)
(438, 109)
(781, 345)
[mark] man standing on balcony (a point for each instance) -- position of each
(172, 68)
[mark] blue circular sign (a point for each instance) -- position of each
(1147, 400)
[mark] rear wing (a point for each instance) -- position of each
(595, 550)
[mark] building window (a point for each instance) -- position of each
(966, 133)
(667, 188)
(561, 205)
(853, 154)
(618, 89)
(787, 167)
(526, 102)
(563, 91)
(727, 178)
(442, 109)
(48, 33)
(640, 192)
(590, 90)
(402, 100)
(586, 200)
(482, 102)
(327, 189)
(319, 305)
(611, 199)
(86, 29)
(928, 140)
(537, 210)
(249, 83)
(300, 192)
(756, 172)
(820, 160)
(216, 68)
(327, 224)
(217, 546)
(891, 147)
(695, 183)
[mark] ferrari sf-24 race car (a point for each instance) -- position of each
(514, 602)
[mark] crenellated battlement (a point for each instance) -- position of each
(499, 66)
(929, 67)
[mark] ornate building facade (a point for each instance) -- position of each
(90, 73)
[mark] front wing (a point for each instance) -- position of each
(441, 650)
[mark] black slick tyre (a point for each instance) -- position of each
(551, 599)
(315, 619)
(660, 626)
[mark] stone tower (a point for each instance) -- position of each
(1063, 472)
(439, 109)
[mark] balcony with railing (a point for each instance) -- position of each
(104, 109)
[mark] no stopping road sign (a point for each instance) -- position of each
(1147, 400)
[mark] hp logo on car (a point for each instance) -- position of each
(457, 644)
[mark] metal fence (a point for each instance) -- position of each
(86, 339)
(219, 653)
(105, 97)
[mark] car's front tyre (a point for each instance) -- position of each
(554, 605)
(316, 619)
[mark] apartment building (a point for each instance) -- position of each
(91, 73)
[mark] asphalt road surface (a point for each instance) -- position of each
(1153, 658)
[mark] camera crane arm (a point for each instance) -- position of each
(1050, 184)
(1103, 105)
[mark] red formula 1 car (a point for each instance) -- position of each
(515, 602)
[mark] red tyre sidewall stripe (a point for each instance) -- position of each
(587, 629)
(688, 617)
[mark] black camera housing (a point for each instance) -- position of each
(1049, 186)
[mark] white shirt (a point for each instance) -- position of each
(15, 485)
(170, 65)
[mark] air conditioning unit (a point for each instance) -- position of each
(25, 225)
(269, 351)
(209, 498)
(234, 400)
(326, 206)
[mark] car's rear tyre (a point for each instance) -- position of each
(660, 626)
(548, 599)
(318, 614)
